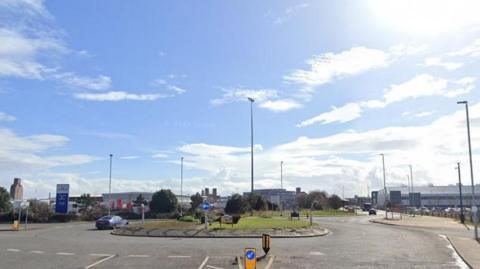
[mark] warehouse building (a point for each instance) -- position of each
(426, 196)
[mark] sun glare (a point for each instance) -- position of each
(427, 16)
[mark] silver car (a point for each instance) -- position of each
(110, 222)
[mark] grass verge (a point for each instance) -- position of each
(250, 223)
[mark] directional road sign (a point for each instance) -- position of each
(250, 258)
(206, 206)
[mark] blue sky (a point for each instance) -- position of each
(335, 84)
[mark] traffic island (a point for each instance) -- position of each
(250, 227)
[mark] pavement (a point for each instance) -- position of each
(353, 242)
(200, 232)
(459, 235)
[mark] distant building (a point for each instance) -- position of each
(428, 196)
(287, 199)
(207, 192)
(214, 192)
(16, 190)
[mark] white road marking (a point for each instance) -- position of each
(203, 263)
(65, 253)
(458, 260)
(316, 253)
(173, 256)
(139, 256)
(239, 263)
(100, 261)
(270, 262)
(13, 250)
(214, 267)
(37, 251)
(99, 254)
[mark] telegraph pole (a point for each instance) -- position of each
(462, 216)
(384, 185)
(110, 186)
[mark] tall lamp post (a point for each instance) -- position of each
(474, 206)
(384, 184)
(110, 186)
(181, 185)
(462, 216)
(251, 136)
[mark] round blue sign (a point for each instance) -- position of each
(206, 206)
(250, 254)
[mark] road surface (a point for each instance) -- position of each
(354, 242)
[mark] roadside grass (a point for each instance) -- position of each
(326, 213)
(256, 222)
(303, 213)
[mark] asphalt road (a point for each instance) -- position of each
(354, 242)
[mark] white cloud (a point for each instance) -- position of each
(289, 12)
(280, 105)
(159, 156)
(19, 153)
(326, 67)
(342, 114)
(30, 7)
(100, 82)
(437, 61)
(472, 50)
(241, 95)
(5, 117)
(130, 157)
(115, 96)
(176, 89)
(19, 53)
(419, 86)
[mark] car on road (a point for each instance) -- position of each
(372, 211)
(110, 222)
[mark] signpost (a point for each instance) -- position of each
(250, 258)
(206, 207)
(266, 243)
(61, 201)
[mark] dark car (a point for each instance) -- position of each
(372, 211)
(110, 222)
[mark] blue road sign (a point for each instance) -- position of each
(205, 206)
(250, 254)
(61, 201)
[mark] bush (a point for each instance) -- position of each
(187, 219)
(236, 205)
(163, 201)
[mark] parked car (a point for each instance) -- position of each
(372, 211)
(110, 222)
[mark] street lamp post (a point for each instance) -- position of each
(474, 206)
(462, 216)
(384, 185)
(110, 185)
(181, 185)
(251, 136)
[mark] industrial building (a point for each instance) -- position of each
(287, 199)
(426, 196)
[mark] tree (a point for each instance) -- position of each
(256, 202)
(196, 201)
(236, 205)
(317, 199)
(39, 211)
(335, 202)
(86, 200)
(302, 200)
(5, 205)
(163, 201)
(140, 200)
